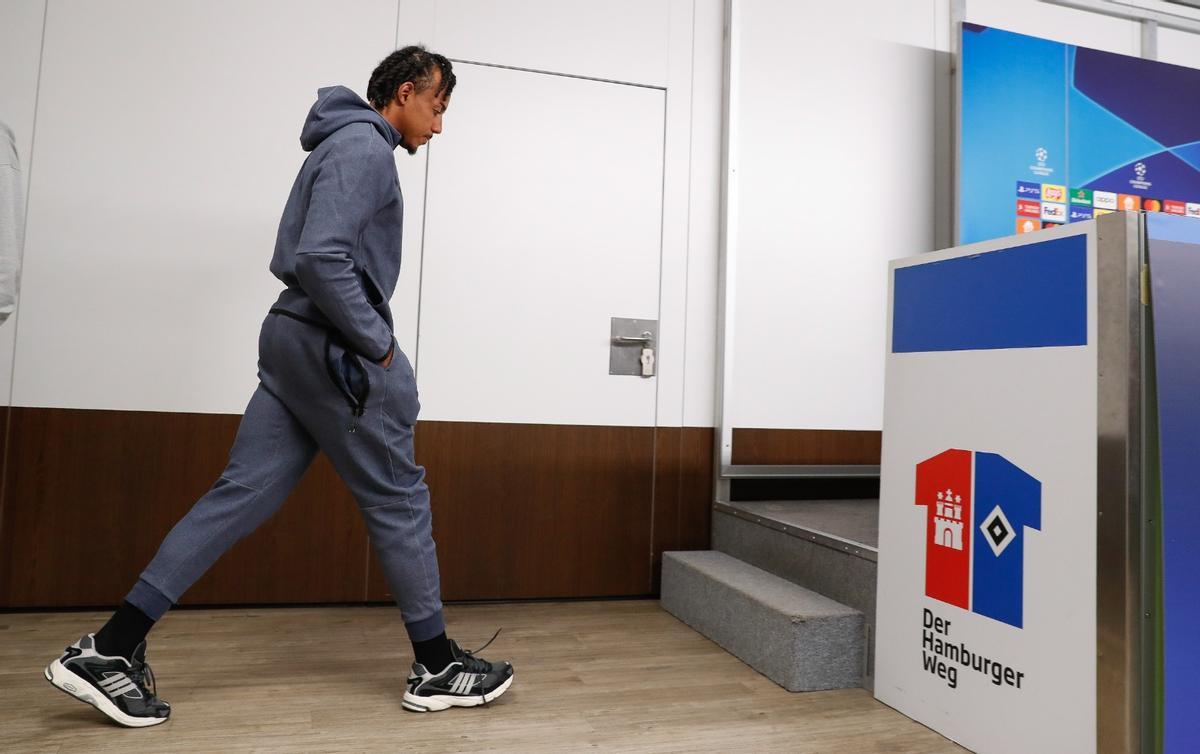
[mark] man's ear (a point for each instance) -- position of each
(404, 91)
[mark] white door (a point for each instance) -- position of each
(542, 221)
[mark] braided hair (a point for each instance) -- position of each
(413, 63)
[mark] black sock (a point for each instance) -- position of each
(125, 630)
(434, 653)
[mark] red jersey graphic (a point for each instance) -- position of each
(944, 487)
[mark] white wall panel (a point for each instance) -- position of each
(1179, 47)
(836, 177)
(1059, 23)
(673, 288)
(622, 40)
(167, 143)
(20, 55)
(577, 38)
(844, 159)
(532, 245)
(704, 212)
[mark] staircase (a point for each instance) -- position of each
(789, 588)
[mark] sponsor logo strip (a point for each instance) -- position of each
(1028, 225)
(1054, 213)
(1029, 208)
(1053, 193)
(1128, 202)
(1104, 200)
(1028, 190)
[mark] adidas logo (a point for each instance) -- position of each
(118, 684)
(463, 682)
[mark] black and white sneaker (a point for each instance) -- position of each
(113, 685)
(467, 682)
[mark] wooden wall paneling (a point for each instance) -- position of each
(5, 413)
(805, 446)
(89, 495)
(520, 511)
(534, 511)
(683, 492)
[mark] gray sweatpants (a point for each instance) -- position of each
(302, 404)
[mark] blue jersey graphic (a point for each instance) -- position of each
(1007, 501)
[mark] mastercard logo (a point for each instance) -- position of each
(1152, 205)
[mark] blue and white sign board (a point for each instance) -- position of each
(1174, 251)
(986, 627)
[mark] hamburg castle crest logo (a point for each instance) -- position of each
(978, 506)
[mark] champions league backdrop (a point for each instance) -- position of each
(1051, 133)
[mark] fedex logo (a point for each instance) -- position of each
(1054, 213)
(977, 507)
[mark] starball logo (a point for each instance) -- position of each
(1139, 180)
(1041, 155)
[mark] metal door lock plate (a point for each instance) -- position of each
(629, 340)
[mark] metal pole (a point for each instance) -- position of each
(727, 269)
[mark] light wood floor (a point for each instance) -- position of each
(608, 676)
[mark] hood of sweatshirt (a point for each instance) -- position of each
(337, 106)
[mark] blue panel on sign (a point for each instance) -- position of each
(1027, 296)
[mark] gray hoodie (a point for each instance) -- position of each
(338, 248)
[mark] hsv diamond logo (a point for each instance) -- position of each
(978, 506)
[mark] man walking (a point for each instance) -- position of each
(331, 378)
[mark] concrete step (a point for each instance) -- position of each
(797, 638)
(825, 546)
